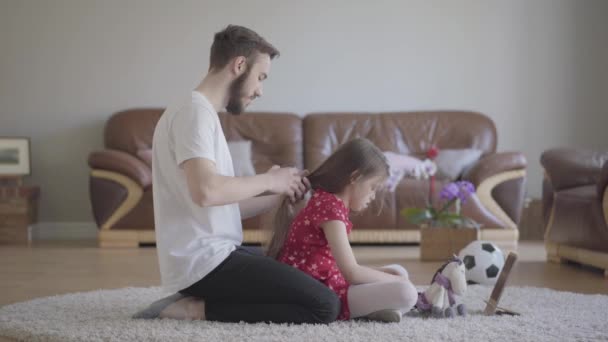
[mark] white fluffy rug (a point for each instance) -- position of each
(105, 316)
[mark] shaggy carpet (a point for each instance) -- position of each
(104, 315)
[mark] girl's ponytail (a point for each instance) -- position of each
(356, 158)
(280, 228)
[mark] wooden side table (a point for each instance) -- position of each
(18, 211)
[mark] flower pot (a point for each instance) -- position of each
(439, 244)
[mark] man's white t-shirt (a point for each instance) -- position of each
(191, 240)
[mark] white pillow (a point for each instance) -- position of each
(240, 151)
(451, 164)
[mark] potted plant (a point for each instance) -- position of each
(444, 231)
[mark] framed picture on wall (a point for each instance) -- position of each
(14, 156)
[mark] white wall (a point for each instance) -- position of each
(538, 68)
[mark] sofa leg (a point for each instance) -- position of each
(552, 255)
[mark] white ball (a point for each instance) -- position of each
(483, 262)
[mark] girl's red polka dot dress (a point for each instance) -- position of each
(306, 247)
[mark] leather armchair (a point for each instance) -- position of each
(575, 206)
(120, 183)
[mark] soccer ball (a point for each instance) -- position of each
(483, 262)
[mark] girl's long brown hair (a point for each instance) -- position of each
(356, 158)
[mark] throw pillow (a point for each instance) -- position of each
(451, 164)
(240, 151)
(145, 156)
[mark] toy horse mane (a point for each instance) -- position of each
(452, 259)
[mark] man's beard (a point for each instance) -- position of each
(235, 104)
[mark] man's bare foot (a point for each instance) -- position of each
(187, 308)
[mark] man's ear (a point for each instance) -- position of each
(238, 65)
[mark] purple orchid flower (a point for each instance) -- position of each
(461, 190)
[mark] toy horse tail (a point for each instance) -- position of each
(422, 303)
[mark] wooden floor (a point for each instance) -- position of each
(57, 268)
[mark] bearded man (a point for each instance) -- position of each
(199, 204)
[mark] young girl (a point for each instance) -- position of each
(316, 241)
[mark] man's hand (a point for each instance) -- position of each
(288, 181)
(305, 181)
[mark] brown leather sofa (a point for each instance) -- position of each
(498, 177)
(121, 178)
(575, 206)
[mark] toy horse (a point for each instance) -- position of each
(438, 299)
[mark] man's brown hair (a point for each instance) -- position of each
(236, 41)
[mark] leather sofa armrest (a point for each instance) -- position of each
(500, 182)
(568, 168)
(123, 163)
(602, 190)
(602, 184)
(494, 164)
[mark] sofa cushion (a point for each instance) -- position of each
(240, 151)
(276, 138)
(411, 133)
(451, 164)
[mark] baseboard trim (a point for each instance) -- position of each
(504, 238)
(49, 231)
